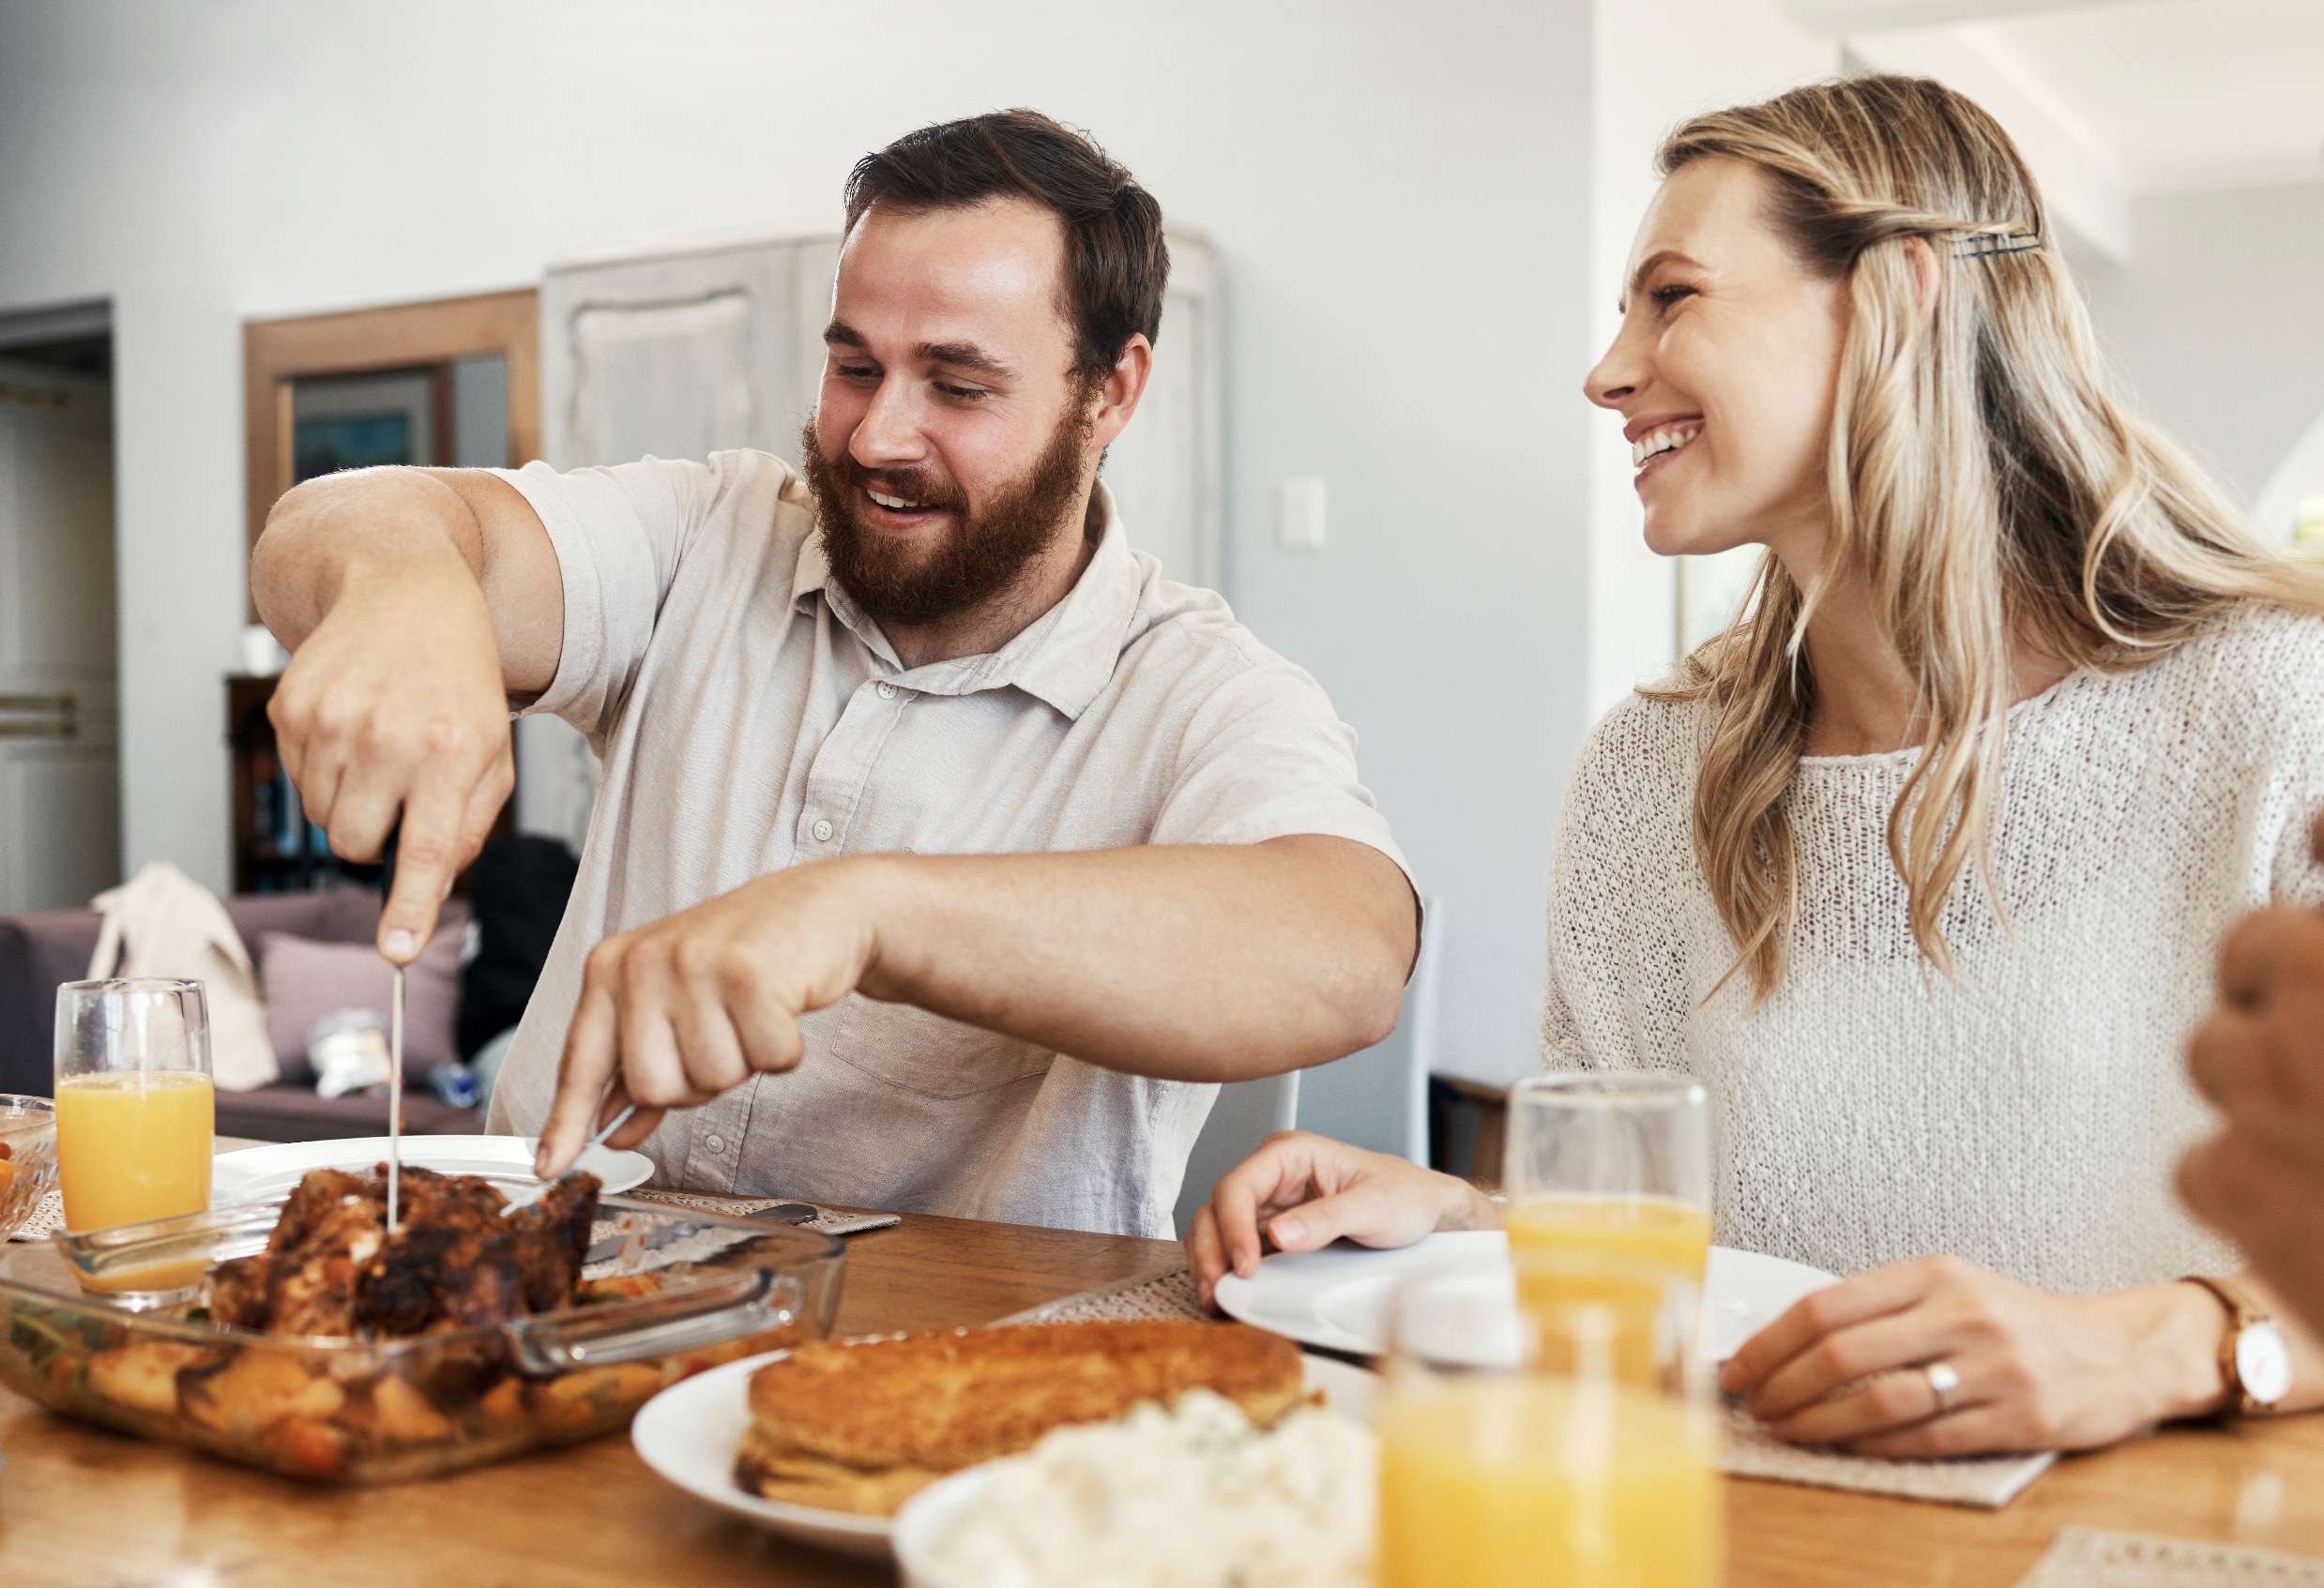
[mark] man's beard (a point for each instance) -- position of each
(984, 553)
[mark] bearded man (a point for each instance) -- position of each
(946, 853)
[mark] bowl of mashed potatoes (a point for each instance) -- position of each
(1187, 1496)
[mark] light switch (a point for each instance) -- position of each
(1299, 513)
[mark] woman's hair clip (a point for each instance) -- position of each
(1984, 244)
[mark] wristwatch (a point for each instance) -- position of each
(2254, 1357)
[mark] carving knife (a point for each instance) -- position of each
(395, 1097)
(395, 1043)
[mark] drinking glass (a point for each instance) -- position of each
(134, 1109)
(1516, 1450)
(1608, 1179)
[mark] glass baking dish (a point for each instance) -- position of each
(380, 1411)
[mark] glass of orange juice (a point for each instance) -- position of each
(134, 1108)
(1515, 1447)
(1608, 1180)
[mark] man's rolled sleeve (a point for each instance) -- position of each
(1265, 757)
(619, 535)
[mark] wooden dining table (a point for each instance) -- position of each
(80, 1507)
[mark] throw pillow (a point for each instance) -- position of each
(304, 980)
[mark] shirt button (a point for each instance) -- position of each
(822, 830)
(887, 691)
(716, 1143)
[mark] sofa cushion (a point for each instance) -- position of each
(305, 980)
(345, 914)
(41, 948)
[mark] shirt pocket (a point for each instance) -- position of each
(916, 1051)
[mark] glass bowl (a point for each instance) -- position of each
(28, 1158)
(371, 1411)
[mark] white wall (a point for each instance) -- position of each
(2217, 321)
(1655, 65)
(1399, 193)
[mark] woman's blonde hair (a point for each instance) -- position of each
(1980, 475)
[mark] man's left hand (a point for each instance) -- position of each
(695, 1003)
(2036, 1371)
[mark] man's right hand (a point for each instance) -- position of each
(393, 710)
(414, 602)
(1303, 1191)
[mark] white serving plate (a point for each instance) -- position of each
(1337, 1298)
(259, 1174)
(690, 1432)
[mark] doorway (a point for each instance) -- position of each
(60, 762)
(448, 383)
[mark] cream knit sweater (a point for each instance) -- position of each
(2025, 1115)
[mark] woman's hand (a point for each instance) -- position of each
(1307, 1192)
(2037, 1371)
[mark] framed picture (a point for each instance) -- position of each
(453, 381)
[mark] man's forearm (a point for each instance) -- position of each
(1194, 963)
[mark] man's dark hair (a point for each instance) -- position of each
(1116, 262)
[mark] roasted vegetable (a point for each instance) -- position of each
(144, 1376)
(256, 1389)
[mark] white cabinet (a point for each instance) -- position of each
(679, 352)
(680, 355)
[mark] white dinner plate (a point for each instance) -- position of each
(690, 1432)
(1338, 1297)
(261, 1174)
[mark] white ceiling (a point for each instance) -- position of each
(2153, 94)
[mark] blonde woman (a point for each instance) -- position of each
(1922, 865)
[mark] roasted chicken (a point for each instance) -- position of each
(330, 1267)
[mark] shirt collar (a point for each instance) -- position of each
(1063, 657)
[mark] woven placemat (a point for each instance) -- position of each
(47, 1214)
(2097, 1557)
(1167, 1295)
(1988, 1482)
(827, 1220)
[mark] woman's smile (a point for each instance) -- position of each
(1653, 440)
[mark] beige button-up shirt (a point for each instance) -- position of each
(749, 716)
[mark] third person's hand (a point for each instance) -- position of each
(2260, 1056)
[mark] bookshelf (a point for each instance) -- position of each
(275, 849)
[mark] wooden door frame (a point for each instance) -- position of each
(399, 336)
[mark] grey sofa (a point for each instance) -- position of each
(41, 949)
